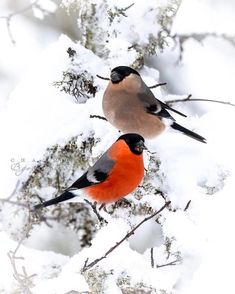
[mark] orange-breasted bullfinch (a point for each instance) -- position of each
(116, 174)
(130, 106)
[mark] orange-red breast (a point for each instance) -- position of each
(130, 106)
(117, 173)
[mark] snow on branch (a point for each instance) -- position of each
(87, 265)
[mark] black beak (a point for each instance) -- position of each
(140, 147)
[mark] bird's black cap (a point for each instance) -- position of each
(134, 141)
(120, 72)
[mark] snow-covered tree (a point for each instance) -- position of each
(51, 131)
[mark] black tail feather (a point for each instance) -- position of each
(63, 197)
(188, 132)
(164, 105)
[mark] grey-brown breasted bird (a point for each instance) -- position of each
(130, 106)
(117, 173)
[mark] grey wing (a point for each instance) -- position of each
(155, 106)
(99, 172)
(148, 100)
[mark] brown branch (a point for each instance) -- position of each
(174, 262)
(94, 208)
(189, 99)
(102, 78)
(98, 116)
(152, 259)
(131, 232)
(187, 205)
(157, 85)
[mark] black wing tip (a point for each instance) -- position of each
(188, 133)
(203, 140)
(172, 109)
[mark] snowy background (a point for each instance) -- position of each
(50, 54)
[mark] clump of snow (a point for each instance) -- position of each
(175, 251)
(43, 8)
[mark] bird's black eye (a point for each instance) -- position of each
(116, 77)
(139, 147)
(134, 141)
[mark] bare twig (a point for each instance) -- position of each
(201, 36)
(150, 87)
(131, 232)
(174, 262)
(187, 205)
(98, 116)
(94, 208)
(15, 203)
(8, 199)
(180, 39)
(23, 279)
(189, 99)
(152, 259)
(102, 78)
(157, 85)
(9, 17)
(14, 191)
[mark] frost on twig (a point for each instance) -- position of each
(89, 265)
(76, 81)
(51, 175)
(117, 12)
(80, 86)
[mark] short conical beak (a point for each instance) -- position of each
(115, 77)
(140, 146)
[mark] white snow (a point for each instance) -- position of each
(38, 115)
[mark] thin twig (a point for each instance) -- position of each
(157, 85)
(187, 205)
(189, 99)
(94, 208)
(102, 78)
(14, 191)
(169, 263)
(9, 17)
(152, 259)
(23, 279)
(131, 232)
(14, 203)
(98, 116)
(7, 200)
